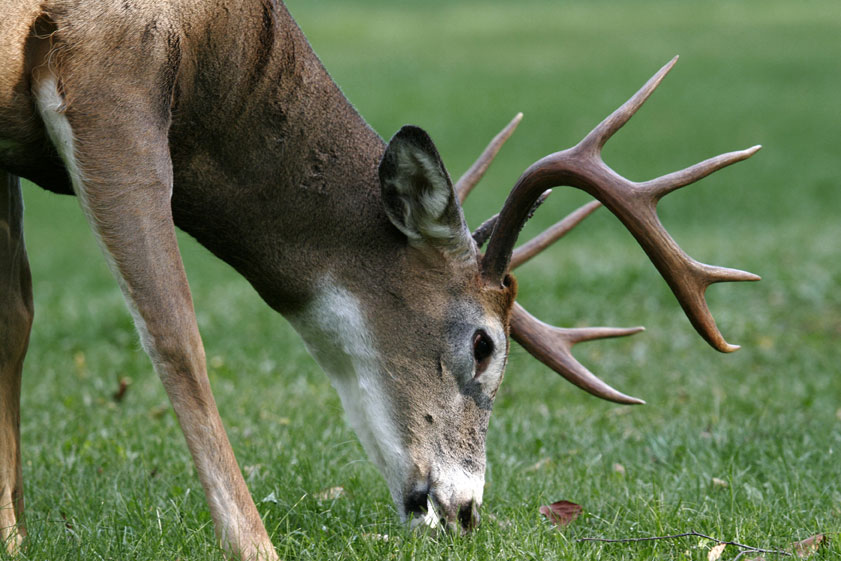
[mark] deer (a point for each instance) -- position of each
(217, 117)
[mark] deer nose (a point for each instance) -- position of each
(416, 503)
(468, 516)
(432, 511)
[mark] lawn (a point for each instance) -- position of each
(108, 480)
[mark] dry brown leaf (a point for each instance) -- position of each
(809, 546)
(719, 482)
(121, 390)
(619, 468)
(561, 513)
(715, 552)
(330, 494)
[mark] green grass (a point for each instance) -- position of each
(114, 481)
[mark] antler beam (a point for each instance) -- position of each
(633, 203)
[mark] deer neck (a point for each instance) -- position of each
(280, 181)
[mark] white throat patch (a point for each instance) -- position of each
(336, 334)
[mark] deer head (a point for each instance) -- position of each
(419, 358)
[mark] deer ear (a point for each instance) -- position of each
(418, 195)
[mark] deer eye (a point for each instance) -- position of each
(483, 348)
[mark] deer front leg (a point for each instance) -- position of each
(15, 322)
(121, 172)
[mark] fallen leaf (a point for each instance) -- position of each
(619, 468)
(121, 390)
(330, 494)
(561, 513)
(809, 546)
(719, 482)
(716, 552)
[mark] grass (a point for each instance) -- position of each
(114, 481)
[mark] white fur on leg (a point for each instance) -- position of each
(9, 535)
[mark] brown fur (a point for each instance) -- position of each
(16, 314)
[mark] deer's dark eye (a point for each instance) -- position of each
(483, 348)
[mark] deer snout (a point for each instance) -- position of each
(428, 508)
(468, 516)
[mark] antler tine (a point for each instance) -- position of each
(472, 176)
(635, 206)
(608, 127)
(553, 347)
(662, 186)
(552, 234)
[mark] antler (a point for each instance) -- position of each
(551, 345)
(633, 203)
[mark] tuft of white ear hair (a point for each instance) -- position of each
(418, 195)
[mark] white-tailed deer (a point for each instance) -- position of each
(217, 117)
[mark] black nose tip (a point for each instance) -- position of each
(468, 516)
(416, 503)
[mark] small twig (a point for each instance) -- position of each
(745, 548)
(740, 554)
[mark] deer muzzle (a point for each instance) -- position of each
(428, 508)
